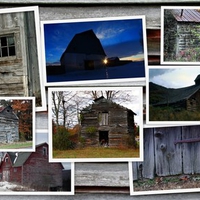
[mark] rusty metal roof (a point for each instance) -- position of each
(186, 15)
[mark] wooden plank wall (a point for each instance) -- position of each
(165, 155)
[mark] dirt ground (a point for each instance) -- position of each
(168, 183)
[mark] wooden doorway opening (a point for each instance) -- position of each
(103, 138)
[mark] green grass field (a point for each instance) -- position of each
(17, 145)
(97, 152)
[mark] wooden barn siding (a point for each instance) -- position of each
(193, 103)
(102, 174)
(14, 73)
(5, 170)
(32, 62)
(117, 125)
(162, 157)
(39, 173)
(16, 174)
(19, 74)
(9, 131)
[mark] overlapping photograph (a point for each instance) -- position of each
(171, 161)
(103, 50)
(95, 124)
(23, 173)
(17, 124)
(173, 95)
(180, 37)
(20, 58)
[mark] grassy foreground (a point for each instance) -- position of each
(97, 152)
(17, 145)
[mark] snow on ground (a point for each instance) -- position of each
(131, 70)
(10, 187)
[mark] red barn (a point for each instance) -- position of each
(32, 169)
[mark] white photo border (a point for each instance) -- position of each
(34, 193)
(154, 192)
(162, 61)
(33, 124)
(140, 158)
(35, 10)
(164, 123)
(133, 81)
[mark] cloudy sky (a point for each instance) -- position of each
(176, 77)
(129, 98)
(120, 38)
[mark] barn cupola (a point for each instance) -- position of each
(197, 80)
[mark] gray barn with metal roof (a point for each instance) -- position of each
(186, 97)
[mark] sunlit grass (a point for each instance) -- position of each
(97, 152)
(17, 145)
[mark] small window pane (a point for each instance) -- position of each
(4, 52)
(10, 41)
(3, 41)
(7, 46)
(11, 51)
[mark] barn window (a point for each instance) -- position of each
(6, 159)
(44, 151)
(103, 118)
(7, 46)
(15, 170)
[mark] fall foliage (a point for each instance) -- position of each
(23, 109)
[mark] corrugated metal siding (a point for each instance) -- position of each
(186, 15)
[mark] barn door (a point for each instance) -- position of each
(168, 157)
(6, 175)
(103, 138)
(191, 161)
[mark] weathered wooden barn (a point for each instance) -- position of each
(182, 98)
(179, 30)
(19, 67)
(32, 169)
(9, 125)
(169, 151)
(107, 123)
(84, 52)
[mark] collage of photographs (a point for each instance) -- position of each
(83, 100)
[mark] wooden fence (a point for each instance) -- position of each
(169, 151)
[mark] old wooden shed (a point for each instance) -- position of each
(180, 26)
(19, 65)
(32, 169)
(9, 125)
(107, 123)
(83, 52)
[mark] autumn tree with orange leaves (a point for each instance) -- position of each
(23, 109)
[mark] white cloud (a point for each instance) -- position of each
(180, 77)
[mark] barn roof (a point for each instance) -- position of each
(19, 158)
(12, 156)
(85, 43)
(177, 95)
(10, 114)
(186, 15)
(102, 99)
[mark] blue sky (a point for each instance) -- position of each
(176, 77)
(120, 38)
